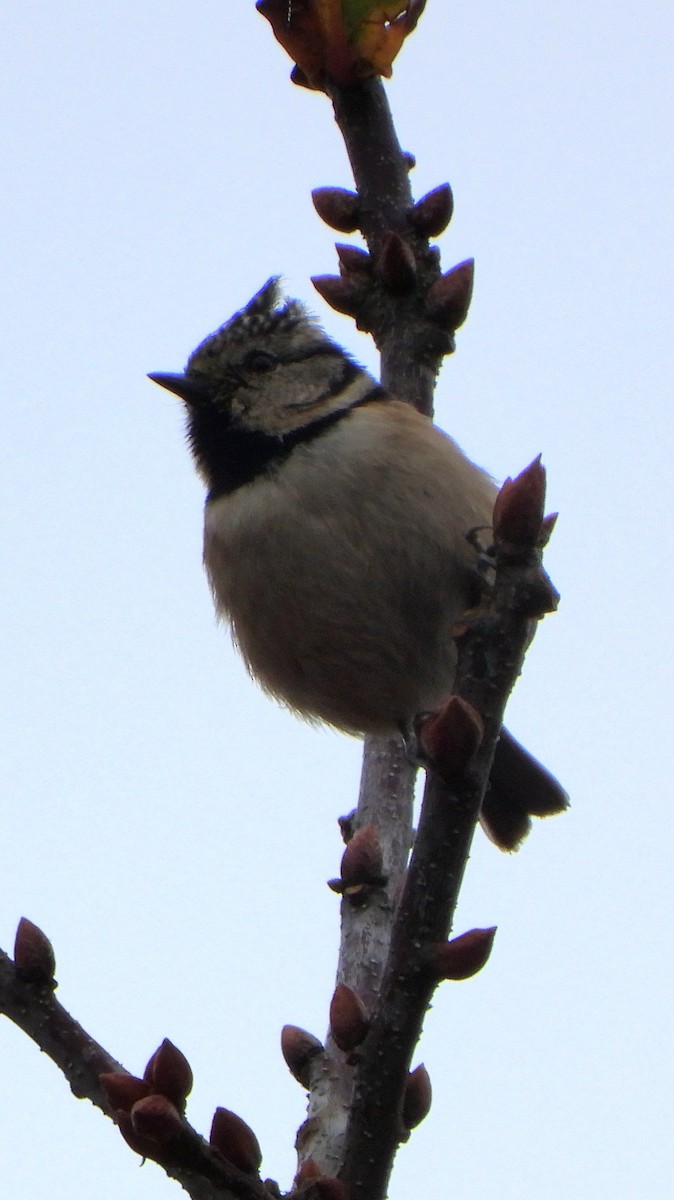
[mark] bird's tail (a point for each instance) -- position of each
(519, 788)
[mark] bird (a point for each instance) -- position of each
(335, 536)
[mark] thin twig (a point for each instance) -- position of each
(490, 659)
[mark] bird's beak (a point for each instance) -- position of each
(190, 388)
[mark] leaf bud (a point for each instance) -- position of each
(170, 1074)
(236, 1141)
(299, 1049)
(417, 1097)
(397, 264)
(34, 955)
(156, 1119)
(339, 208)
(348, 1022)
(431, 215)
(463, 956)
(450, 737)
(123, 1090)
(448, 299)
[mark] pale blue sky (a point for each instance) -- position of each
(170, 828)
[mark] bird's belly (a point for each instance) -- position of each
(339, 633)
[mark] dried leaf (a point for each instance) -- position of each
(341, 40)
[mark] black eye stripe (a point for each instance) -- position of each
(247, 454)
(318, 349)
(259, 360)
(349, 372)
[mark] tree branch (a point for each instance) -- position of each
(395, 917)
(491, 652)
(357, 1095)
(411, 354)
(201, 1170)
(411, 345)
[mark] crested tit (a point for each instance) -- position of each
(335, 536)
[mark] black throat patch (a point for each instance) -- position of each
(242, 455)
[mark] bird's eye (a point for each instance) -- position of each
(259, 360)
